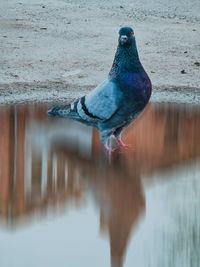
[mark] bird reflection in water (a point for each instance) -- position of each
(49, 164)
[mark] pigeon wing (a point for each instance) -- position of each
(101, 103)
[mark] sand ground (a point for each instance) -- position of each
(59, 49)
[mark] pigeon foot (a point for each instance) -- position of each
(109, 149)
(122, 144)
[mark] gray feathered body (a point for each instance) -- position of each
(117, 101)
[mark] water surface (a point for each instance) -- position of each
(63, 202)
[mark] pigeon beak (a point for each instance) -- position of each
(123, 39)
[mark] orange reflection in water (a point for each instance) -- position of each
(51, 163)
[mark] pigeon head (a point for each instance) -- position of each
(126, 37)
(126, 57)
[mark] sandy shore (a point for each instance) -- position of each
(58, 50)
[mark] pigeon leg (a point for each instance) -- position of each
(109, 148)
(107, 141)
(121, 143)
(118, 136)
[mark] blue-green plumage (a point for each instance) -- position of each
(119, 99)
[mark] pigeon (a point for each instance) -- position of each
(118, 100)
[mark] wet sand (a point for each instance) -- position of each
(58, 50)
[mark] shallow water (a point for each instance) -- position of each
(63, 202)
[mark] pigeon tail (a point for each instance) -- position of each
(64, 111)
(61, 111)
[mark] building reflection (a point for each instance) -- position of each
(48, 164)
